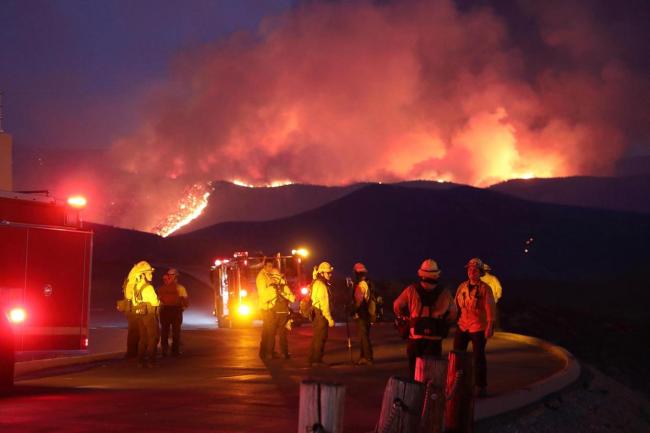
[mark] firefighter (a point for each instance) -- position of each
(132, 334)
(283, 297)
(144, 304)
(266, 299)
(364, 312)
(491, 280)
(430, 310)
(475, 303)
(173, 300)
(322, 317)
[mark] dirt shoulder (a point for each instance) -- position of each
(596, 403)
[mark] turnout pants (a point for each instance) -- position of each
(170, 317)
(132, 335)
(461, 339)
(281, 320)
(319, 338)
(148, 329)
(363, 330)
(268, 334)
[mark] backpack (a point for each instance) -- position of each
(430, 326)
(368, 309)
(371, 304)
(306, 307)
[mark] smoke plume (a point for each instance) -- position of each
(333, 93)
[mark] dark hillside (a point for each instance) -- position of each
(393, 228)
(616, 193)
(229, 202)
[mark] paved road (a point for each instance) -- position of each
(220, 385)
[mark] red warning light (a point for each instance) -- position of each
(77, 201)
(17, 315)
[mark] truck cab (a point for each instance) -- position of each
(234, 284)
(46, 258)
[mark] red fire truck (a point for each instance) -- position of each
(45, 263)
(235, 291)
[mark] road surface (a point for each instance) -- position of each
(220, 385)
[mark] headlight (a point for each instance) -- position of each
(244, 310)
(17, 315)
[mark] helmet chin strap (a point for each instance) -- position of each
(431, 281)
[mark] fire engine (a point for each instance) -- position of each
(45, 258)
(235, 291)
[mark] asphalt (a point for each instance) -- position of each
(521, 369)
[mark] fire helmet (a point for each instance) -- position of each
(359, 268)
(476, 262)
(137, 271)
(324, 267)
(429, 269)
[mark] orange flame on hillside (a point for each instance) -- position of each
(188, 209)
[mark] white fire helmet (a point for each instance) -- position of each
(429, 269)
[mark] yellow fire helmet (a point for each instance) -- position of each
(325, 267)
(139, 269)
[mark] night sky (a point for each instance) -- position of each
(174, 94)
(73, 71)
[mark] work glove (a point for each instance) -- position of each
(331, 323)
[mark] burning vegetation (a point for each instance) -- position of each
(188, 209)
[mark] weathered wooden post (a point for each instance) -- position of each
(321, 407)
(459, 410)
(431, 368)
(432, 371)
(401, 407)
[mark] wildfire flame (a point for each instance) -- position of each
(188, 209)
(272, 184)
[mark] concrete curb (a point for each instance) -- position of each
(26, 367)
(489, 407)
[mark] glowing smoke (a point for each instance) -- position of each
(333, 93)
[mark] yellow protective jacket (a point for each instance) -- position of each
(320, 299)
(281, 289)
(265, 291)
(494, 284)
(146, 294)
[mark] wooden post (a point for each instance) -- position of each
(432, 371)
(459, 410)
(321, 407)
(401, 407)
(431, 368)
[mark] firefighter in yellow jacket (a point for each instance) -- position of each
(283, 297)
(266, 299)
(144, 304)
(320, 298)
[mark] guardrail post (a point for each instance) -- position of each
(401, 407)
(432, 371)
(459, 410)
(321, 407)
